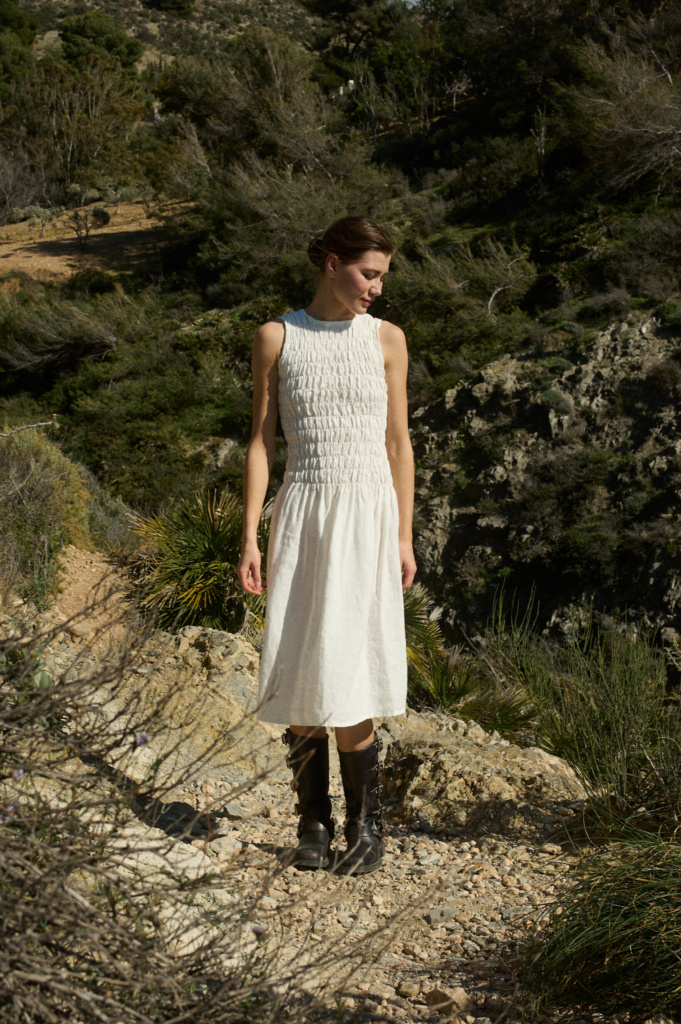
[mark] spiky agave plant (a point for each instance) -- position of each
(187, 574)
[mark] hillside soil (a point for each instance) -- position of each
(127, 242)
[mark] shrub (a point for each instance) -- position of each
(45, 335)
(663, 378)
(452, 680)
(187, 573)
(89, 282)
(44, 504)
(85, 221)
(96, 34)
(607, 306)
(424, 636)
(601, 703)
(669, 314)
(180, 8)
(634, 503)
(109, 518)
(459, 684)
(556, 400)
(559, 364)
(611, 942)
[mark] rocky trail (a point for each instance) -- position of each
(473, 847)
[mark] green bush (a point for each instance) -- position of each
(600, 309)
(611, 943)
(556, 400)
(45, 335)
(669, 314)
(44, 504)
(454, 681)
(97, 34)
(460, 685)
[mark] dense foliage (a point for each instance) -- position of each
(524, 154)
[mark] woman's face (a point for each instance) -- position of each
(356, 285)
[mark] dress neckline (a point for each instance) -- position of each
(330, 324)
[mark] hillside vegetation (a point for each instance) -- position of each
(163, 165)
(525, 157)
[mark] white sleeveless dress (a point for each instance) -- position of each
(334, 649)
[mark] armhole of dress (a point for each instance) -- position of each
(280, 320)
(378, 341)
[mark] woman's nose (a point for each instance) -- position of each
(376, 287)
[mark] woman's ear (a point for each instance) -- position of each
(332, 262)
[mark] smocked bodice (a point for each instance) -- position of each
(333, 401)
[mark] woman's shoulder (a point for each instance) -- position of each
(268, 342)
(391, 333)
(271, 329)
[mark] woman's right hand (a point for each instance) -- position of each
(248, 571)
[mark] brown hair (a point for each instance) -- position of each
(348, 238)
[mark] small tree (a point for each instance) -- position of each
(84, 221)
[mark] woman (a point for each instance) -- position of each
(340, 550)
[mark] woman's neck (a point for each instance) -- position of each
(325, 305)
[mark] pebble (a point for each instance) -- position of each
(234, 812)
(436, 915)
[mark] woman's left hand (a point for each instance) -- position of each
(408, 563)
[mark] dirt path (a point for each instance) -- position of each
(129, 240)
(91, 603)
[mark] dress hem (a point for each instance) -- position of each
(333, 725)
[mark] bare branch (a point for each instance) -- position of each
(32, 426)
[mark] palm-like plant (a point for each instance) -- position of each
(187, 572)
(424, 636)
(456, 680)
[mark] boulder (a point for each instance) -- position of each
(449, 779)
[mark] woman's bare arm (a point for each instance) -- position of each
(398, 442)
(267, 346)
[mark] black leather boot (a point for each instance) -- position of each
(360, 772)
(308, 757)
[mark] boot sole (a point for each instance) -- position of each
(306, 865)
(359, 869)
(311, 865)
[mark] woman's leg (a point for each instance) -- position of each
(358, 751)
(309, 760)
(355, 737)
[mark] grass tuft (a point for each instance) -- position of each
(613, 941)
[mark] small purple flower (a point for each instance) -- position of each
(141, 739)
(7, 812)
(258, 929)
(17, 774)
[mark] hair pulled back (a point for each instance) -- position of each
(348, 238)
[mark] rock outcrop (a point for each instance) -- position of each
(465, 778)
(564, 472)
